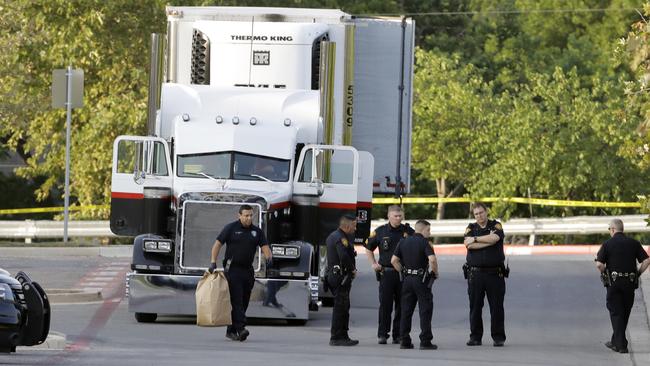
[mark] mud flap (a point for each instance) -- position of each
(38, 312)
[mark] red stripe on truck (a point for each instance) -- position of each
(126, 195)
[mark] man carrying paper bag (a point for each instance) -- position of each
(242, 239)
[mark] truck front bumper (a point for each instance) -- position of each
(175, 294)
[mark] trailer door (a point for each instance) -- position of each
(141, 185)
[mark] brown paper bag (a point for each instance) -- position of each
(213, 300)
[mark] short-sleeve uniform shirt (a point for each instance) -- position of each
(340, 250)
(386, 239)
(413, 252)
(621, 253)
(491, 256)
(241, 243)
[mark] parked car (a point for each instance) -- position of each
(24, 312)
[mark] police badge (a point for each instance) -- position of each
(345, 243)
(254, 233)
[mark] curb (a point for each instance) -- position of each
(516, 250)
(59, 296)
(638, 331)
(55, 341)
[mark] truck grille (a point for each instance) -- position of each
(202, 223)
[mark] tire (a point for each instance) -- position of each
(146, 317)
(299, 322)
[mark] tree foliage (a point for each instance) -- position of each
(109, 41)
(511, 96)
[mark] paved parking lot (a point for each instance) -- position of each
(555, 315)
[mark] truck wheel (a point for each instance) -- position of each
(146, 317)
(297, 321)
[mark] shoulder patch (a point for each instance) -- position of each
(405, 234)
(498, 226)
(468, 230)
(372, 234)
(345, 242)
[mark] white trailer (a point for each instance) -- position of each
(301, 113)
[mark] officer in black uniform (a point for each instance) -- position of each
(386, 238)
(242, 239)
(616, 258)
(341, 269)
(410, 258)
(485, 273)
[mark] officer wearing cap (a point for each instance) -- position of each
(617, 259)
(485, 273)
(385, 238)
(242, 239)
(341, 269)
(410, 258)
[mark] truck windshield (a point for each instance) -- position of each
(231, 165)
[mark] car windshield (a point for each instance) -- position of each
(229, 165)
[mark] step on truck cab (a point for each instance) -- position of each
(300, 113)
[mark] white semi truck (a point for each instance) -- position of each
(300, 113)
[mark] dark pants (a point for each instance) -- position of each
(390, 292)
(240, 284)
(415, 292)
(341, 312)
(620, 298)
(493, 285)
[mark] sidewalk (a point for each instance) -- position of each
(639, 327)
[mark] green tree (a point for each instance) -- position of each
(109, 41)
(452, 109)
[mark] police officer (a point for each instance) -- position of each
(242, 239)
(616, 258)
(386, 238)
(485, 273)
(341, 269)
(410, 258)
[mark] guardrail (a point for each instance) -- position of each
(37, 229)
(540, 226)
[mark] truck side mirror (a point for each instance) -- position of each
(138, 169)
(139, 176)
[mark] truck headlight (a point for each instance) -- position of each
(276, 250)
(150, 246)
(291, 251)
(287, 251)
(157, 246)
(164, 246)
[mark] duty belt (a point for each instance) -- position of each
(630, 275)
(623, 274)
(413, 272)
(485, 269)
(388, 268)
(337, 270)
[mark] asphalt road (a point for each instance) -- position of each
(555, 315)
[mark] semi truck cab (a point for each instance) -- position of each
(253, 108)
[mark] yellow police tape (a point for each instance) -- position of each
(390, 201)
(523, 200)
(13, 211)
